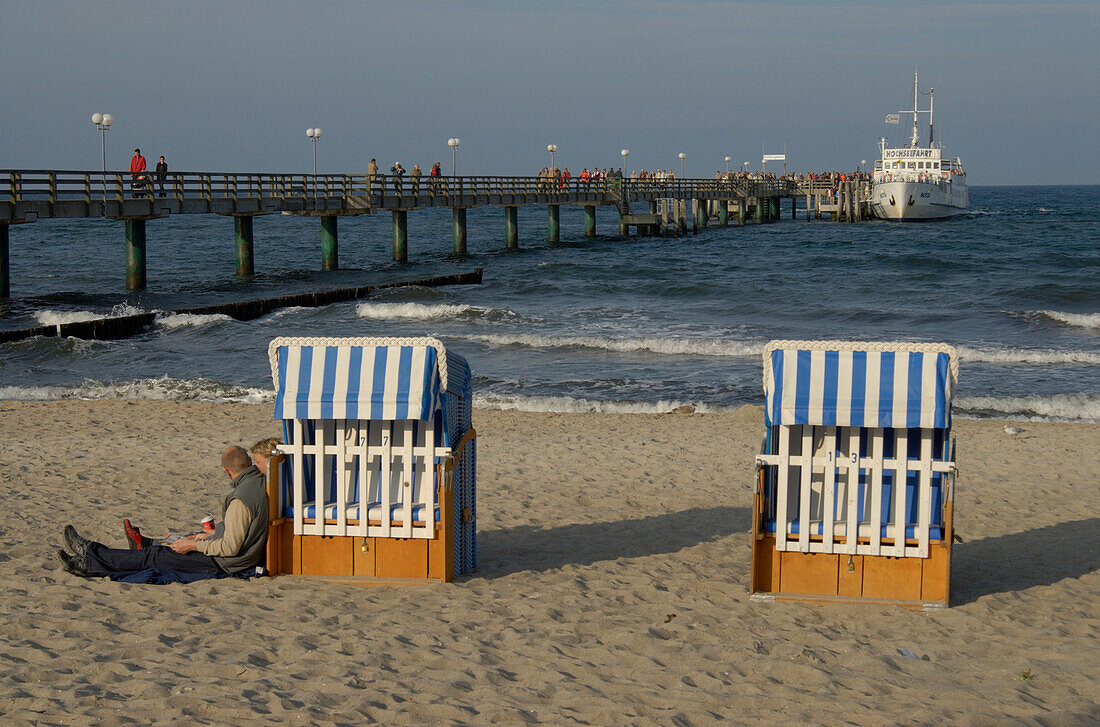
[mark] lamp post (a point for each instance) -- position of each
(552, 148)
(682, 156)
(453, 143)
(862, 162)
(745, 166)
(103, 123)
(728, 160)
(625, 153)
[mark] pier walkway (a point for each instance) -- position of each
(651, 206)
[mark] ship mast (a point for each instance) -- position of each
(913, 141)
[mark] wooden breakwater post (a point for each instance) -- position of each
(330, 246)
(400, 236)
(553, 233)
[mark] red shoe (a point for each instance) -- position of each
(133, 534)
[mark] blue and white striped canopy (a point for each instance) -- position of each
(829, 383)
(349, 381)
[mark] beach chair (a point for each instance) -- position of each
(855, 480)
(377, 478)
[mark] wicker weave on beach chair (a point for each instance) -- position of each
(855, 479)
(379, 471)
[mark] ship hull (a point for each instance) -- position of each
(916, 200)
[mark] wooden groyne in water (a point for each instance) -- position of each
(115, 327)
(651, 206)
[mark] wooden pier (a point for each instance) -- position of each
(650, 206)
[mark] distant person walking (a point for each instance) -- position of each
(415, 177)
(137, 171)
(162, 174)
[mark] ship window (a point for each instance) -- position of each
(935, 165)
(912, 165)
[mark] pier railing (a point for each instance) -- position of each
(33, 194)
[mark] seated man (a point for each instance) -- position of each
(261, 452)
(236, 545)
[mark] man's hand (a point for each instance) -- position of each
(183, 546)
(196, 536)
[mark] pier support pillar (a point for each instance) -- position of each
(623, 229)
(330, 248)
(553, 223)
(742, 206)
(242, 234)
(774, 205)
(723, 212)
(590, 220)
(458, 230)
(135, 254)
(511, 228)
(794, 207)
(400, 236)
(759, 209)
(701, 214)
(5, 274)
(808, 198)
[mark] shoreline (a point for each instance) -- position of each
(614, 554)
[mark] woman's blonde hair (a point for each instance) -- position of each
(265, 447)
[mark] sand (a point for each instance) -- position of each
(614, 554)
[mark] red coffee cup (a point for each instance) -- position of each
(207, 524)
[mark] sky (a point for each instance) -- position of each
(232, 86)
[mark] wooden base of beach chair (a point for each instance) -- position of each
(385, 558)
(836, 576)
(369, 561)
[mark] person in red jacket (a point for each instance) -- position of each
(137, 170)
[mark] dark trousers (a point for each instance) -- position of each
(103, 560)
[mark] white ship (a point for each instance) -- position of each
(915, 182)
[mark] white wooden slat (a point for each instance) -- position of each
(781, 490)
(828, 490)
(365, 468)
(805, 482)
(852, 529)
(429, 481)
(924, 507)
(407, 480)
(343, 479)
(875, 489)
(901, 457)
(298, 463)
(385, 480)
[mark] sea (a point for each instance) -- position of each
(603, 324)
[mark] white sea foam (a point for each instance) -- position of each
(173, 321)
(667, 346)
(1084, 320)
(569, 404)
(1026, 355)
(421, 311)
(61, 317)
(165, 388)
(1058, 407)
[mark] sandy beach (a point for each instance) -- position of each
(614, 560)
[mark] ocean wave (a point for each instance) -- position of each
(1058, 407)
(667, 346)
(162, 389)
(172, 321)
(1084, 320)
(1024, 355)
(421, 311)
(572, 405)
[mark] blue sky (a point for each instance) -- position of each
(233, 86)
